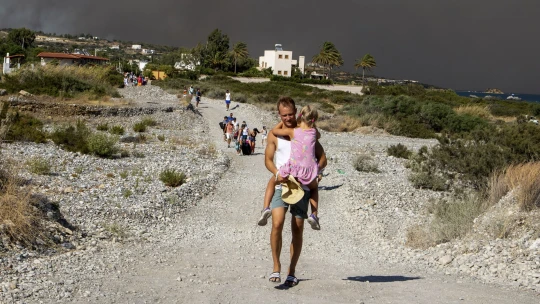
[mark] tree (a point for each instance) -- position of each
(366, 63)
(328, 56)
(217, 45)
(218, 61)
(23, 37)
(239, 51)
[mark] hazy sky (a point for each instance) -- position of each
(460, 44)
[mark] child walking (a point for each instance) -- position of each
(302, 163)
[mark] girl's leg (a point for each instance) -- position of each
(313, 219)
(314, 196)
(269, 193)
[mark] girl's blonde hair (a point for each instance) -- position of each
(309, 115)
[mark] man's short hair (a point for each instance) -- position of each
(234, 118)
(224, 117)
(285, 101)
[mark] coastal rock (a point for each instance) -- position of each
(493, 91)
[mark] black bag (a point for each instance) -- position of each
(221, 125)
(246, 148)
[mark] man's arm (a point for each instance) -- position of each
(320, 155)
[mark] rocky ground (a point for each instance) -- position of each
(138, 241)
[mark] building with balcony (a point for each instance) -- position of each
(281, 62)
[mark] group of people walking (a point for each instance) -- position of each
(240, 135)
(131, 80)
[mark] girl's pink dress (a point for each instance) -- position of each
(302, 163)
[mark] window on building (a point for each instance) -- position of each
(286, 56)
(280, 56)
(279, 72)
(286, 73)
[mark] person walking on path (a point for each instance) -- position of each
(197, 98)
(229, 129)
(264, 135)
(227, 99)
(277, 153)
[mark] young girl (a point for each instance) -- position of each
(302, 163)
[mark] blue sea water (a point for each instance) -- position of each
(524, 97)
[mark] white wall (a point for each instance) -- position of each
(279, 61)
(61, 62)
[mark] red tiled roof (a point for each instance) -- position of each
(68, 56)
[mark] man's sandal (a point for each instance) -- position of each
(275, 277)
(291, 281)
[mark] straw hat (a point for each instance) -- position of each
(291, 191)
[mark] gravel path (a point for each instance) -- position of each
(213, 252)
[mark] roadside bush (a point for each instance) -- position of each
(64, 81)
(399, 151)
(365, 163)
(72, 138)
(172, 178)
(102, 145)
(139, 127)
(25, 128)
(102, 127)
(39, 165)
(452, 219)
(117, 130)
(149, 122)
(524, 179)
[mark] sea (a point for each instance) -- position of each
(524, 97)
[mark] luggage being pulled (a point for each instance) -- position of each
(246, 148)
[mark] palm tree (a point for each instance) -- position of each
(328, 56)
(218, 60)
(366, 63)
(239, 51)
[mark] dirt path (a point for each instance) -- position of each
(214, 253)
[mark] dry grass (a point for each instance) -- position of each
(339, 124)
(524, 179)
(451, 219)
(480, 111)
(270, 107)
(19, 219)
(182, 141)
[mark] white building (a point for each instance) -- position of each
(115, 47)
(280, 61)
(187, 62)
(136, 47)
(148, 51)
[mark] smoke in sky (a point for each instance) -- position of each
(460, 44)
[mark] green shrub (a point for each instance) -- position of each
(365, 163)
(117, 130)
(63, 81)
(161, 138)
(39, 165)
(102, 127)
(102, 145)
(399, 151)
(172, 178)
(139, 127)
(72, 138)
(25, 128)
(149, 122)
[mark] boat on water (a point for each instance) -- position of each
(512, 97)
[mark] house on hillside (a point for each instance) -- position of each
(71, 59)
(281, 61)
(8, 67)
(136, 47)
(187, 62)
